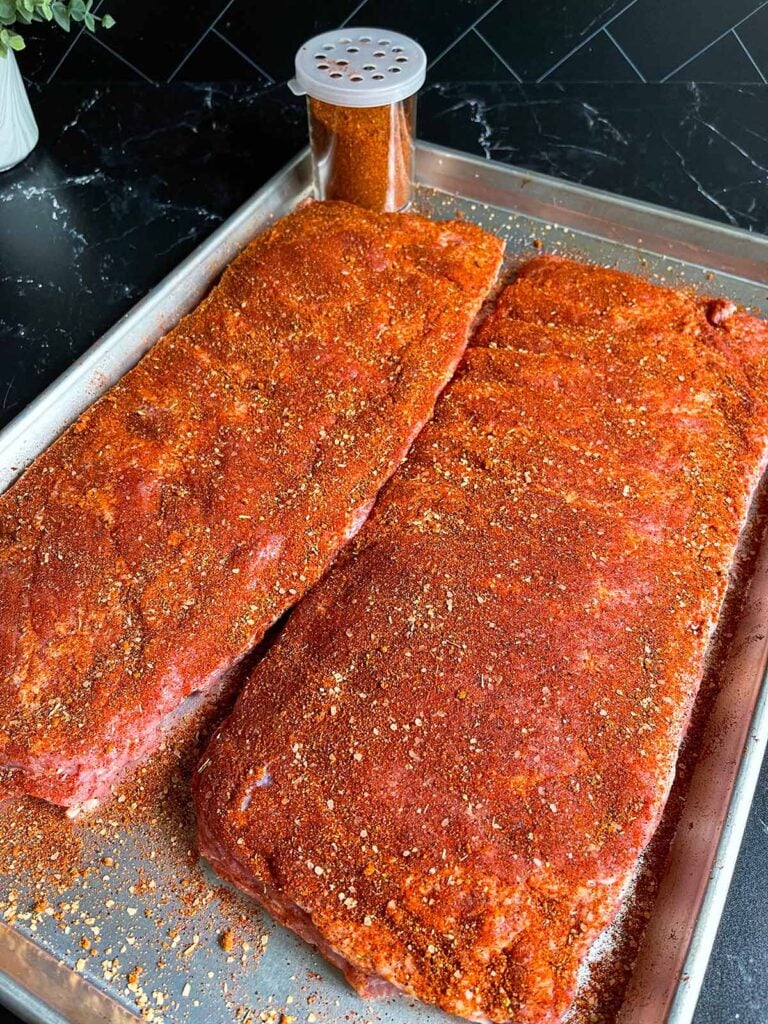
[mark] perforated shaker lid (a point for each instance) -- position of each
(359, 67)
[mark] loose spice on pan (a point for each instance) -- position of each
(121, 890)
(364, 155)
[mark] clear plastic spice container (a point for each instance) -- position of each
(361, 87)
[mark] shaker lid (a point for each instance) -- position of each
(359, 67)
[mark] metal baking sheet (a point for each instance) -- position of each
(135, 911)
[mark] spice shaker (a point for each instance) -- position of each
(361, 87)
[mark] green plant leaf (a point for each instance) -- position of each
(61, 15)
(63, 12)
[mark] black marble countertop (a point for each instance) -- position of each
(129, 178)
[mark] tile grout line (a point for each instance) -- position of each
(756, 66)
(241, 53)
(472, 28)
(123, 60)
(352, 13)
(625, 55)
(71, 46)
(64, 56)
(588, 39)
(496, 54)
(466, 32)
(189, 52)
(713, 41)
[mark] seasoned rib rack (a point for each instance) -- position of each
(153, 544)
(444, 772)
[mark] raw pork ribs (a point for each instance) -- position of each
(153, 544)
(444, 772)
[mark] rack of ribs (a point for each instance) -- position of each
(445, 770)
(154, 543)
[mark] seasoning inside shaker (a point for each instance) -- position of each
(361, 89)
(363, 154)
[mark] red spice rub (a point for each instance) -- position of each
(152, 545)
(445, 770)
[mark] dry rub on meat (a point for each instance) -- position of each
(445, 770)
(157, 539)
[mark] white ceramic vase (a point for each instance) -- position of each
(18, 128)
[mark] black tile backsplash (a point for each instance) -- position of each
(219, 59)
(471, 60)
(271, 33)
(156, 37)
(466, 40)
(599, 60)
(723, 61)
(92, 60)
(535, 36)
(436, 26)
(753, 33)
(662, 35)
